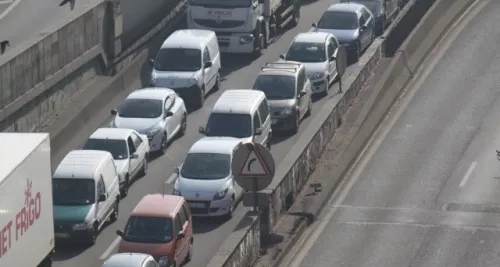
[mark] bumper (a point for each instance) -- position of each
(319, 86)
(67, 234)
(209, 208)
(283, 123)
(231, 43)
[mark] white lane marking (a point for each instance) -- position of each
(9, 9)
(110, 249)
(6, 2)
(467, 174)
(312, 233)
(171, 179)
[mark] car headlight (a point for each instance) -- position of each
(153, 132)
(163, 262)
(246, 39)
(286, 111)
(221, 194)
(317, 75)
(81, 226)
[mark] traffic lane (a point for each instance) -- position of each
(4, 5)
(393, 215)
(32, 17)
(207, 242)
(427, 141)
(475, 182)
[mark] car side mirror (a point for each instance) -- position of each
(302, 93)
(258, 132)
(169, 114)
(102, 198)
(363, 27)
(177, 170)
(201, 130)
(134, 156)
(332, 58)
(180, 235)
(314, 25)
(208, 64)
(282, 56)
(151, 62)
(120, 233)
(114, 112)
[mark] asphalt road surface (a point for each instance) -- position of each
(239, 72)
(427, 191)
(21, 20)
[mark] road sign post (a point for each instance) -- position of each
(341, 63)
(253, 168)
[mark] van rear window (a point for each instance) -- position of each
(229, 125)
(142, 229)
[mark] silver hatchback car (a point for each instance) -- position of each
(288, 92)
(132, 260)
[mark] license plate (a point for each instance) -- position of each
(61, 235)
(196, 205)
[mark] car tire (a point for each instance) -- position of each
(232, 207)
(357, 53)
(268, 142)
(189, 256)
(295, 128)
(309, 109)
(164, 144)
(296, 18)
(116, 212)
(217, 82)
(144, 168)
(200, 99)
(126, 184)
(93, 235)
(183, 126)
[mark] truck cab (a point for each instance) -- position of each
(242, 26)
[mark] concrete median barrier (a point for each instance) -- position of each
(422, 30)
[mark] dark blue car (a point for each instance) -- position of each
(352, 24)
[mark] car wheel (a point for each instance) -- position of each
(144, 169)
(93, 235)
(201, 98)
(229, 214)
(183, 125)
(357, 52)
(189, 256)
(309, 108)
(268, 143)
(296, 126)
(296, 18)
(163, 145)
(116, 211)
(217, 82)
(124, 191)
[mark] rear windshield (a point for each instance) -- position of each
(338, 20)
(229, 125)
(141, 229)
(117, 148)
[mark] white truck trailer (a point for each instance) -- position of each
(26, 220)
(243, 26)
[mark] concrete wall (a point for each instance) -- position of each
(302, 159)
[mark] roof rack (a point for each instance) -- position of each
(284, 63)
(291, 70)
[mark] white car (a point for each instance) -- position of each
(158, 113)
(317, 51)
(131, 260)
(130, 152)
(204, 179)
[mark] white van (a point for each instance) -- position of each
(189, 63)
(86, 193)
(243, 114)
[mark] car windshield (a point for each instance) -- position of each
(276, 87)
(373, 5)
(338, 20)
(206, 166)
(72, 192)
(141, 108)
(306, 52)
(221, 3)
(229, 125)
(178, 59)
(117, 148)
(141, 229)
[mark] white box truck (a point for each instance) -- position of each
(26, 219)
(243, 26)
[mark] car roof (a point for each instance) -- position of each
(285, 68)
(84, 163)
(219, 145)
(126, 260)
(111, 133)
(194, 39)
(238, 101)
(158, 205)
(311, 37)
(151, 93)
(346, 7)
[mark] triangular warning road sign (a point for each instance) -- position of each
(253, 166)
